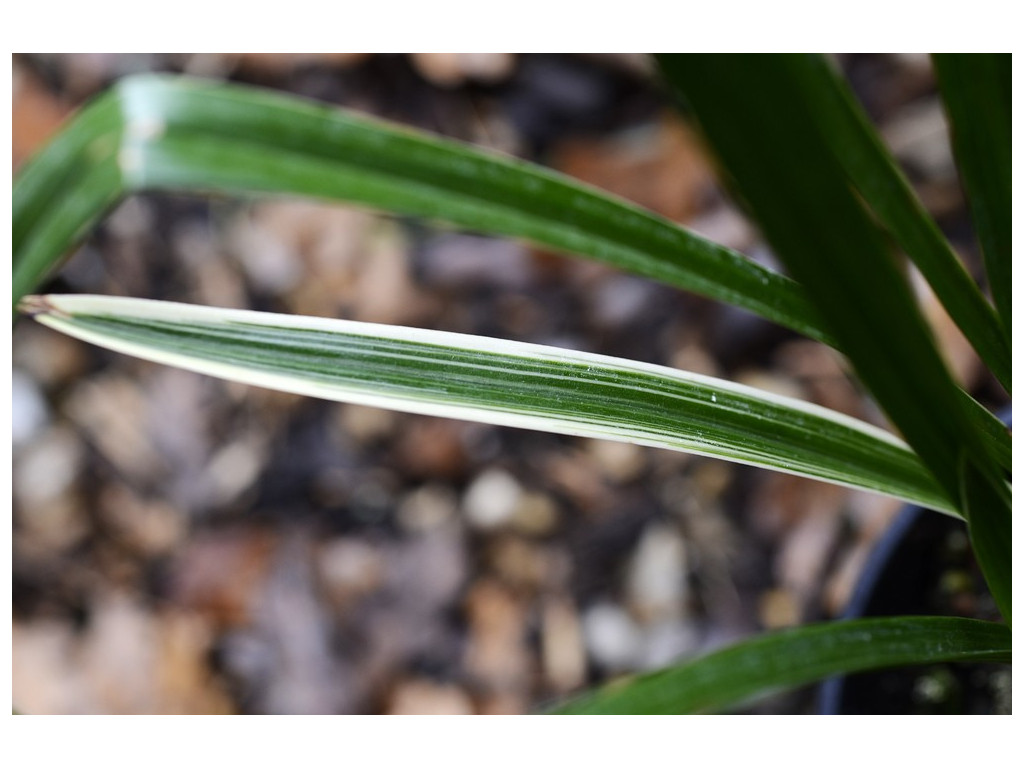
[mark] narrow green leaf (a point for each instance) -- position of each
(791, 658)
(157, 132)
(977, 93)
(754, 113)
(990, 527)
(61, 195)
(994, 434)
(190, 135)
(501, 382)
(874, 174)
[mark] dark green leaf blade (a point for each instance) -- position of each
(790, 658)
(799, 194)
(994, 434)
(191, 135)
(976, 90)
(991, 530)
(878, 179)
(64, 191)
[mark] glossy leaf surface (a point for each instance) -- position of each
(781, 660)
(757, 118)
(180, 134)
(875, 175)
(501, 382)
(976, 89)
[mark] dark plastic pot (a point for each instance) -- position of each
(923, 565)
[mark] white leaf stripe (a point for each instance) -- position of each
(501, 382)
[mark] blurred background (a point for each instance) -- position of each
(186, 545)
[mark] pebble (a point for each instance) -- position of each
(269, 260)
(349, 569)
(217, 280)
(612, 637)
(519, 563)
(694, 358)
(29, 412)
(504, 703)
(618, 461)
(218, 575)
(656, 584)
(50, 358)
(52, 527)
(620, 300)
(772, 383)
(536, 514)
(133, 218)
(666, 641)
(426, 572)
(427, 507)
(111, 409)
(808, 545)
(364, 423)
(308, 678)
(44, 678)
(491, 500)
(432, 448)
(425, 697)
(779, 608)
(724, 225)
(449, 70)
(956, 349)
(919, 135)
(459, 261)
(151, 526)
(119, 654)
(711, 478)
(235, 467)
(497, 653)
(384, 291)
(656, 164)
(47, 467)
(562, 648)
(577, 475)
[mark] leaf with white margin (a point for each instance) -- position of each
(501, 382)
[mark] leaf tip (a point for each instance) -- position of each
(38, 305)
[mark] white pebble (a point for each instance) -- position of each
(612, 638)
(28, 408)
(656, 582)
(491, 499)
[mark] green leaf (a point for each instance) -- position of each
(64, 191)
(977, 92)
(994, 434)
(991, 530)
(755, 114)
(790, 658)
(181, 134)
(501, 382)
(875, 175)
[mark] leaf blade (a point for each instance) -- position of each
(190, 135)
(501, 382)
(800, 196)
(795, 657)
(976, 90)
(875, 174)
(990, 527)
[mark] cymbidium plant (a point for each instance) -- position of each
(797, 150)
